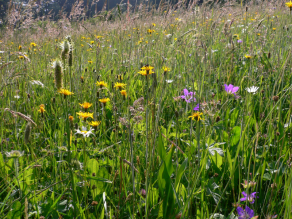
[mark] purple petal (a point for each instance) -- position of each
(183, 97)
(253, 194)
(191, 94)
(249, 211)
(197, 108)
(235, 89)
(186, 92)
(244, 194)
(230, 87)
(240, 211)
(226, 87)
(243, 199)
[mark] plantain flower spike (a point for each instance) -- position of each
(57, 65)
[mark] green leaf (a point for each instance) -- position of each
(16, 211)
(235, 136)
(180, 172)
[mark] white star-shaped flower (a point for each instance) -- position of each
(252, 89)
(84, 132)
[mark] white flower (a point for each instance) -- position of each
(84, 132)
(169, 81)
(16, 97)
(168, 35)
(14, 154)
(252, 89)
(215, 50)
(37, 83)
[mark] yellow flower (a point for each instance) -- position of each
(175, 39)
(82, 45)
(85, 115)
(90, 62)
(153, 24)
(19, 48)
(104, 100)
(85, 105)
(101, 84)
(247, 56)
(42, 109)
(65, 92)
(91, 42)
(274, 28)
(150, 31)
(71, 118)
(95, 123)
(97, 37)
(236, 36)
(142, 72)
(83, 38)
(289, 4)
(119, 85)
(258, 34)
(146, 70)
(33, 44)
(196, 116)
(165, 69)
(124, 93)
(20, 57)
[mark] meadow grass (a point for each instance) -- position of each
(151, 154)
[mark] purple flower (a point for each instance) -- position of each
(249, 198)
(197, 108)
(188, 96)
(239, 41)
(245, 214)
(230, 89)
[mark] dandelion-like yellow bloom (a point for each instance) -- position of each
(247, 56)
(165, 69)
(85, 115)
(236, 36)
(90, 62)
(119, 85)
(274, 28)
(124, 93)
(19, 48)
(71, 118)
(289, 4)
(147, 68)
(85, 105)
(42, 109)
(65, 92)
(101, 84)
(94, 123)
(196, 116)
(21, 57)
(83, 38)
(104, 100)
(91, 42)
(33, 44)
(153, 24)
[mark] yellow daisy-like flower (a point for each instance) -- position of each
(153, 24)
(247, 56)
(123, 92)
(101, 84)
(90, 62)
(147, 68)
(142, 72)
(33, 44)
(19, 48)
(196, 116)
(21, 57)
(85, 115)
(119, 85)
(65, 92)
(83, 38)
(289, 4)
(85, 105)
(91, 42)
(236, 36)
(274, 28)
(104, 100)
(42, 109)
(165, 69)
(94, 123)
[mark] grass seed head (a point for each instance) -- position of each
(57, 65)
